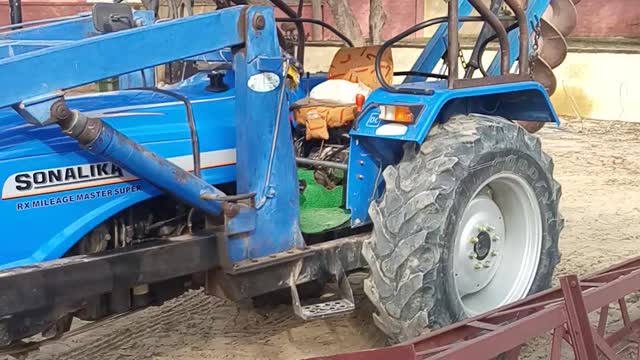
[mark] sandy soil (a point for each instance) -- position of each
(596, 162)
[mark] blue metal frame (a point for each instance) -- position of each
(266, 162)
(92, 59)
(269, 228)
(247, 135)
(66, 31)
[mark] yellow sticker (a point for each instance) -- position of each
(294, 75)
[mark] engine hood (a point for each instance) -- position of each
(143, 115)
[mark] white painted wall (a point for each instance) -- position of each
(601, 86)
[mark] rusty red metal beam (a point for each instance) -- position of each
(578, 319)
(561, 312)
(395, 352)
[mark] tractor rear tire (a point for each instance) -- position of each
(414, 250)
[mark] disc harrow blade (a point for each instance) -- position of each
(563, 15)
(553, 46)
(544, 75)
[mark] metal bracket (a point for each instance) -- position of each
(253, 264)
(242, 220)
(270, 64)
(37, 110)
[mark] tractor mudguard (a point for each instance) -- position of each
(514, 101)
(375, 144)
(45, 175)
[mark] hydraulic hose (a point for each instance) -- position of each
(100, 139)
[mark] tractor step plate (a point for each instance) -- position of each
(340, 303)
(326, 309)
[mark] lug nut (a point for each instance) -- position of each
(474, 240)
(477, 266)
(494, 253)
(482, 228)
(473, 255)
(495, 238)
(487, 264)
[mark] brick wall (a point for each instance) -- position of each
(43, 9)
(608, 18)
(596, 18)
(401, 14)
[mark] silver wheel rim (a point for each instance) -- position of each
(497, 244)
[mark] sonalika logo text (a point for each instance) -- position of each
(66, 176)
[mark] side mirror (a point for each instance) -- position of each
(112, 17)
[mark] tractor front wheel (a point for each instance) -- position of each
(468, 222)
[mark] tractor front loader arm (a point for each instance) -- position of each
(264, 223)
(258, 66)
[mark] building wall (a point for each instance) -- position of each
(596, 18)
(42, 9)
(401, 14)
(608, 18)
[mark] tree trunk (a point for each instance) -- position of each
(316, 10)
(377, 18)
(345, 21)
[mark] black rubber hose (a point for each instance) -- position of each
(342, 36)
(483, 47)
(387, 44)
(195, 141)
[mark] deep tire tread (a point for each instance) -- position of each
(408, 241)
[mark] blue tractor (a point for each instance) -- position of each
(118, 200)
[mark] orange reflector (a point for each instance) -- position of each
(400, 114)
(403, 115)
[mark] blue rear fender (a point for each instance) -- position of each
(376, 144)
(514, 101)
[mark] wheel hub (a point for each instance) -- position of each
(497, 244)
(479, 255)
(483, 246)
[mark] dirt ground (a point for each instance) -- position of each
(598, 164)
